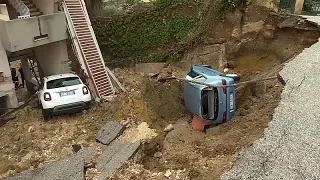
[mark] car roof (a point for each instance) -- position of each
(59, 76)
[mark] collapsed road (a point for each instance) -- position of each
(291, 144)
(107, 156)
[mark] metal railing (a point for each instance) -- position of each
(21, 8)
(311, 8)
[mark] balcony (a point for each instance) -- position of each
(27, 33)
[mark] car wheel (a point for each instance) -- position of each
(46, 115)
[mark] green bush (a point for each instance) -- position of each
(145, 35)
(227, 6)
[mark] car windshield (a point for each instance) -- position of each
(63, 82)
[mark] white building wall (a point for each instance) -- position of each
(53, 58)
(7, 87)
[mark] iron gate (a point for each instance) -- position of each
(287, 6)
(312, 7)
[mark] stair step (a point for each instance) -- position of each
(104, 88)
(101, 81)
(93, 57)
(103, 85)
(101, 78)
(32, 14)
(89, 52)
(79, 19)
(95, 64)
(88, 46)
(81, 26)
(34, 9)
(30, 5)
(97, 76)
(79, 23)
(93, 71)
(88, 43)
(83, 33)
(83, 39)
(96, 61)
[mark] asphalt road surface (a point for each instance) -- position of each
(290, 148)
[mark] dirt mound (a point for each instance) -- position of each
(166, 100)
(142, 132)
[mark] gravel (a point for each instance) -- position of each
(291, 145)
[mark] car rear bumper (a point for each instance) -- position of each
(70, 108)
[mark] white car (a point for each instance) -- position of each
(63, 93)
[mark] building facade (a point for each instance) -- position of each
(30, 30)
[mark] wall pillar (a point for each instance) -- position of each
(53, 58)
(299, 6)
(7, 87)
(28, 75)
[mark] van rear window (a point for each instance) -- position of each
(63, 82)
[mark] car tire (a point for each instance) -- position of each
(46, 115)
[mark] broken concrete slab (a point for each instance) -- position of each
(109, 132)
(115, 155)
(87, 154)
(69, 168)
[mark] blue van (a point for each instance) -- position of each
(212, 104)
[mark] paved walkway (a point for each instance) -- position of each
(290, 148)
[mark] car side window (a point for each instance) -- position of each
(199, 78)
(192, 75)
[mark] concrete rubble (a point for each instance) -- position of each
(69, 168)
(114, 155)
(109, 132)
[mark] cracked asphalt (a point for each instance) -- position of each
(290, 148)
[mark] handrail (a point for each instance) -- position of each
(21, 8)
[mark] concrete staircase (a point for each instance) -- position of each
(34, 11)
(87, 49)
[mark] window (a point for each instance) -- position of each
(63, 82)
(192, 75)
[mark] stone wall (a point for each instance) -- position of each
(213, 55)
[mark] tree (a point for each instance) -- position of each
(94, 7)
